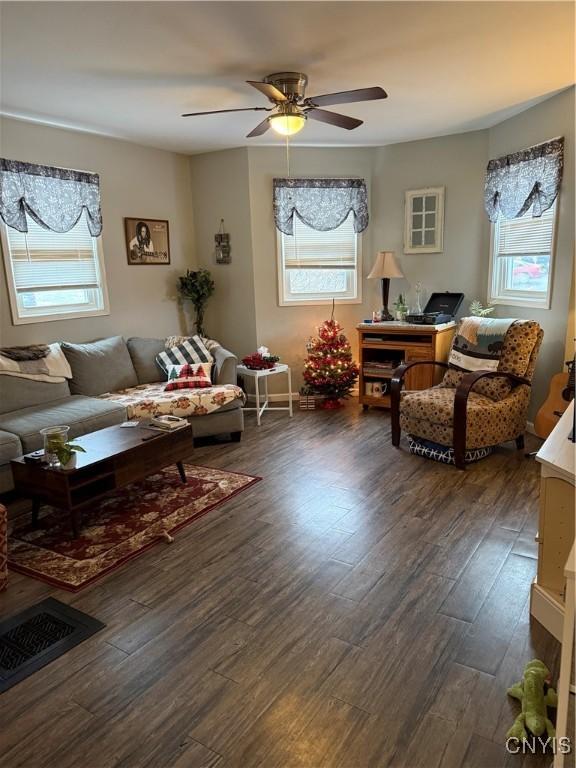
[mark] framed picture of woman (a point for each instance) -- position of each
(147, 241)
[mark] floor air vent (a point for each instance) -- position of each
(35, 637)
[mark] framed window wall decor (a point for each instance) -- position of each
(424, 220)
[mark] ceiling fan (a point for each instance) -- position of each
(286, 91)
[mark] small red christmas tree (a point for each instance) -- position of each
(329, 369)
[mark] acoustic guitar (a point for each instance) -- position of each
(560, 393)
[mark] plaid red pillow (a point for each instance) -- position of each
(190, 377)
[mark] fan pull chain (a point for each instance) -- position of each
(288, 156)
(288, 175)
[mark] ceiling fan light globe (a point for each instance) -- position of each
(287, 125)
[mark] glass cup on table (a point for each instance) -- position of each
(54, 437)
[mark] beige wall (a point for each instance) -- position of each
(135, 181)
(551, 118)
(220, 190)
(457, 163)
(285, 330)
(388, 171)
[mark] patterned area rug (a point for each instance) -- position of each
(119, 527)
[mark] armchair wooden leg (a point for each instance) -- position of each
(459, 459)
(460, 444)
(459, 428)
(395, 424)
(395, 388)
(520, 442)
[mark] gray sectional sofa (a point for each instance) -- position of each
(27, 406)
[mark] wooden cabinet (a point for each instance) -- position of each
(383, 346)
(555, 525)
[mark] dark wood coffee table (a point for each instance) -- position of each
(115, 457)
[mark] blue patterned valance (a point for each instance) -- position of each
(322, 204)
(527, 179)
(54, 197)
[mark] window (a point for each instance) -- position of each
(53, 276)
(315, 267)
(424, 220)
(521, 260)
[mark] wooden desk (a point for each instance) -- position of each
(555, 525)
(396, 342)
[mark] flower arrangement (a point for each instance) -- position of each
(259, 362)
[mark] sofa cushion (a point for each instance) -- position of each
(16, 392)
(81, 414)
(100, 366)
(10, 447)
(143, 353)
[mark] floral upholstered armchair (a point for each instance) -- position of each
(470, 412)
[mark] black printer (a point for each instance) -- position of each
(441, 308)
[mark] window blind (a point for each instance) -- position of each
(526, 236)
(43, 260)
(309, 248)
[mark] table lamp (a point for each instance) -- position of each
(385, 267)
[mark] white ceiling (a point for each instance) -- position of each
(129, 69)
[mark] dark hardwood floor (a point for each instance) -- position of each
(358, 608)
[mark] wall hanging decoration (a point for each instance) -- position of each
(54, 197)
(527, 179)
(222, 249)
(424, 220)
(147, 241)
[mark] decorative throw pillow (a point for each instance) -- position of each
(190, 350)
(516, 355)
(190, 369)
(191, 377)
(174, 341)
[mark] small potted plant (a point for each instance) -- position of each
(479, 310)
(67, 454)
(401, 307)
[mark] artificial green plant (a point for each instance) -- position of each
(197, 286)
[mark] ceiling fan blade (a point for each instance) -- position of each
(259, 130)
(342, 121)
(221, 111)
(269, 90)
(347, 97)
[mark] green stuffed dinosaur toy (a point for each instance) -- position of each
(535, 696)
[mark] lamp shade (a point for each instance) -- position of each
(386, 266)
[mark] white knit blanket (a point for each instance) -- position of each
(53, 368)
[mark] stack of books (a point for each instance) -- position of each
(167, 423)
(377, 368)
